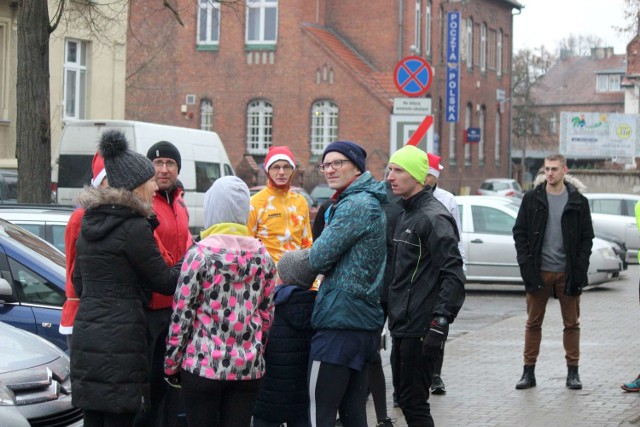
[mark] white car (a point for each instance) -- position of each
(500, 187)
(490, 252)
(35, 385)
(45, 221)
(614, 214)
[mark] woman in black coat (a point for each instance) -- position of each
(117, 259)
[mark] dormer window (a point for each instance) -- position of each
(609, 82)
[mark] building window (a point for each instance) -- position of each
(467, 125)
(324, 125)
(262, 21)
(483, 47)
(206, 115)
(497, 139)
(492, 46)
(4, 68)
(469, 43)
(481, 124)
(418, 24)
(75, 79)
(259, 127)
(608, 82)
(535, 126)
(499, 54)
(427, 29)
(553, 124)
(208, 22)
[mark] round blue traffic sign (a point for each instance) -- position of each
(413, 76)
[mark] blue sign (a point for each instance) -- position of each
(413, 76)
(452, 98)
(473, 135)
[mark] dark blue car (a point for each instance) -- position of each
(32, 281)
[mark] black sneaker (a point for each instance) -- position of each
(437, 386)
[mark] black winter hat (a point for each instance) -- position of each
(294, 269)
(125, 168)
(166, 150)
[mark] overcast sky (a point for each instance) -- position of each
(546, 22)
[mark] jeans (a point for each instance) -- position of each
(536, 307)
(213, 403)
(414, 372)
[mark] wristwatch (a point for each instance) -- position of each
(441, 320)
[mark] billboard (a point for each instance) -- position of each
(598, 135)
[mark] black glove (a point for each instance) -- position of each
(436, 336)
(174, 381)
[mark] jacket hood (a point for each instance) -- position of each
(567, 178)
(107, 208)
(366, 183)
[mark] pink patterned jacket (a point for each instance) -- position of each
(223, 307)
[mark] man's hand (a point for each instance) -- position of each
(437, 335)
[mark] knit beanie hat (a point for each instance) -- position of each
(276, 153)
(294, 269)
(99, 173)
(413, 160)
(434, 165)
(125, 168)
(353, 151)
(227, 200)
(166, 150)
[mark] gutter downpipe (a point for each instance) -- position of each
(509, 146)
(400, 27)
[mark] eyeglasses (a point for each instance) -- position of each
(285, 168)
(170, 164)
(336, 164)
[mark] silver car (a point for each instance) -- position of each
(614, 215)
(500, 187)
(45, 221)
(34, 382)
(490, 252)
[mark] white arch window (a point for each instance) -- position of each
(259, 127)
(324, 125)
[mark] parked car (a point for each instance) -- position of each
(35, 386)
(500, 187)
(45, 221)
(313, 207)
(487, 224)
(614, 214)
(8, 186)
(32, 281)
(322, 193)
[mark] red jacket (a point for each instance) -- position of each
(174, 234)
(70, 307)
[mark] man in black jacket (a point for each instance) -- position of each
(427, 289)
(553, 236)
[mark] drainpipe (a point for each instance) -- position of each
(511, 96)
(400, 27)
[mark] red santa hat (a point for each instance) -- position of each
(276, 153)
(434, 165)
(99, 172)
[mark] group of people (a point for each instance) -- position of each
(261, 321)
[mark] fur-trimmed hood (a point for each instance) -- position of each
(567, 178)
(93, 197)
(106, 209)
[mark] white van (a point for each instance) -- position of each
(204, 158)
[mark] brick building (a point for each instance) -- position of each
(303, 73)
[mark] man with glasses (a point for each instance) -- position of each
(347, 315)
(279, 217)
(174, 235)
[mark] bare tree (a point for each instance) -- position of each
(529, 66)
(35, 27)
(631, 25)
(578, 45)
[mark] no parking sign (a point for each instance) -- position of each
(413, 76)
